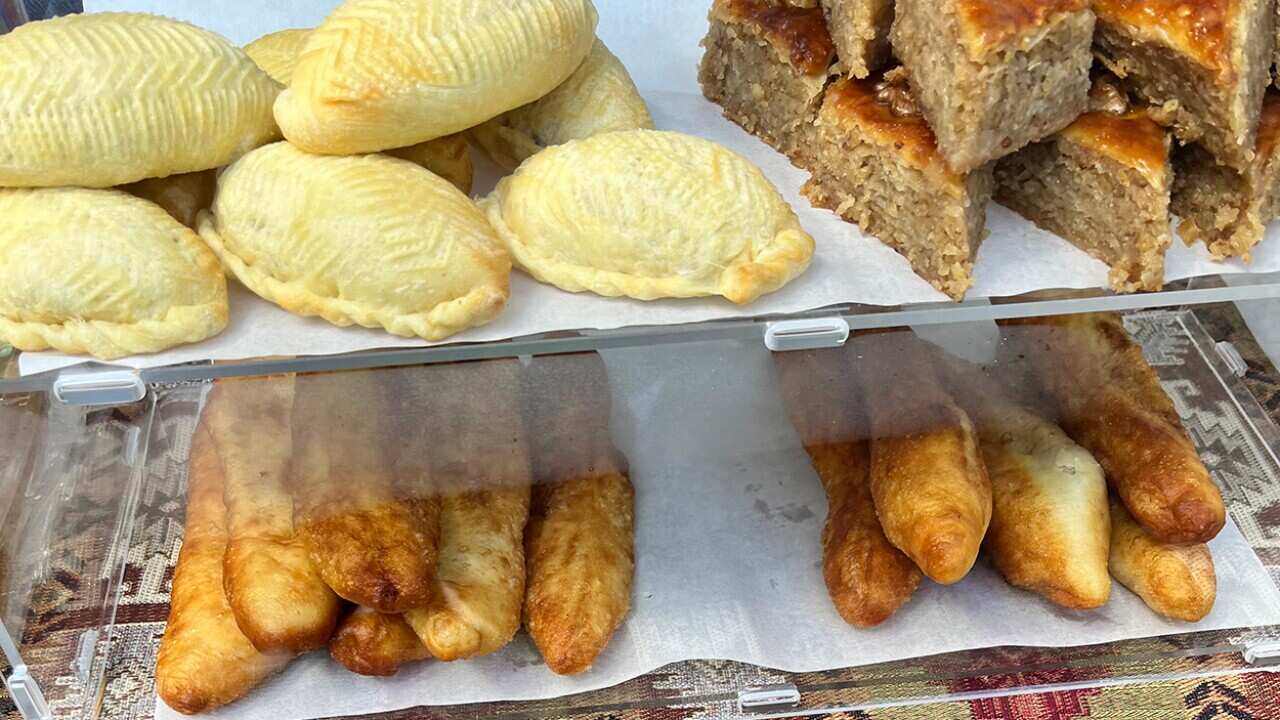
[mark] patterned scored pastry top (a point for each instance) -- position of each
(851, 101)
(1197, 28)
(799, 34)
(1131, 138)
(989, 23)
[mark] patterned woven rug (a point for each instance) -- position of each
(63, 614)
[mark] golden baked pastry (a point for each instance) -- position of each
(368, 240)
(372, 643)
(1176, 581)
(109, 98)
(380, 74)
(104, 273)
(599, 97)
(649, 215)
(449, 156)
(182, 196)
(277, 53)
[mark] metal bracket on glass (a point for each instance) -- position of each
(768, 697)
(99, 387)
(807, 334)
(1263, 652)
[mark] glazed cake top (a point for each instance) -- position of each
(798, 34)
(1132, 139)
(1200, 29)
(991, 23)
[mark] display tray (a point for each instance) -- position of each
(728, 520)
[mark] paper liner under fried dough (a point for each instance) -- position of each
(580, 541)
(1176, 581)
(372, 643)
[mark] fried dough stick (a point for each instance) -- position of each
(372, 643)
(867, 578)
(278, 597)
(1050, 528)
(580, 542)
(1176, 581)
(479, 463)
(372, 545)
(928, 480)
(204, 660)
(1110, 401)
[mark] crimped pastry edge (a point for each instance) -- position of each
(108, 340)
(476, 307)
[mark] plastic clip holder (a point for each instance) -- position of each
(103, 387)
(807, 334)
(1264, 652)
(26, 695)
(768, 697)
(1232, 357)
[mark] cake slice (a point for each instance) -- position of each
(860, 31)
(876, 163)
(1103, 184)
(993, 76)
(766, 64)
(1225, 209)
(1205, 63)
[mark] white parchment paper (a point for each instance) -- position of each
(658, 41)
(728, 519)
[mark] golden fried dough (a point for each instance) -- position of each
(867, 578)
(1110, 401)
(182, 196)
(1176, 581)
(372, 643)
(580, 541)
(1050, 529)
(371, 544)
(930, 486)
(278, 597)
(204, 660)
(479, 463)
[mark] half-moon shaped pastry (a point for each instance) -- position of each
(109, 98)
(1176, 581)
(599, 97)
(104, 273)
(277, 53)
(367, 240)
(649, 215)
(380, 74)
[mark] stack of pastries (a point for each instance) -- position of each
(328, 170)
(926, 461)
(912, 115)
(398, 515)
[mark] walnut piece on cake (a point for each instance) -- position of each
(860, 30)
(1225, 209)
(1103, 184)
(995, 75)
(766, 64)
(876, 163)
(1206, 63)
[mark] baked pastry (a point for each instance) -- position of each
(994, 76)
(928, 481)
(860, 31)
(649, 215)
(182, 196)
(372, 544)
(580, 540)
(765, 65)
(1206, 64)
(372, 643)
(1050, 529)
(1110, 401)
(104, 273)
(1103, 184)
(483, 478)
(1228, 210)
(204, 661)
(277, 53)
(448, 156)
(599, 97)
(876, 163)
(867, 578)
(378, 74)
(109, 98)
(366, 240)
(279, 600)
(1176, 581)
